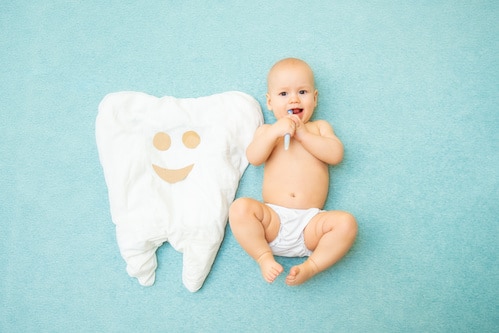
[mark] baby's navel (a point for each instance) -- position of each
(292, 195)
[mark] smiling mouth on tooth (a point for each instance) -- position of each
(172, 175)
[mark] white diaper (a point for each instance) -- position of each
(290, 240)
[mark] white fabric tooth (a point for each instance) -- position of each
(198, 259)
(149, 202)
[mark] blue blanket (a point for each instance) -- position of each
(411, 88)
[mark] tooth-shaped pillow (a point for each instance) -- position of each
(172, 167)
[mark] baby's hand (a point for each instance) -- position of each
(299, 128)
(284, 126)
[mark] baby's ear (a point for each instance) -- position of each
(269, 106)
(316, 95)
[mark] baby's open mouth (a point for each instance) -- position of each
(297, 111)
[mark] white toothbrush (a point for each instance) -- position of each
(287, 136)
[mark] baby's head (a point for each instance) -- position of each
(291, 86)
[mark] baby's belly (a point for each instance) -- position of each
(299, 182)
(293, 197)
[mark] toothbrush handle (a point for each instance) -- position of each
(287, 136)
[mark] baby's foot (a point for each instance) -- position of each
(269, 267)
(301, 273)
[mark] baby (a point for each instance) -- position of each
(291, 221)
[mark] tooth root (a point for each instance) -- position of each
(198, 259)
(140, 258)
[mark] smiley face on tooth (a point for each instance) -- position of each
(162, 142)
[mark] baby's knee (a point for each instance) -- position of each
(347, 224)
(239, 209)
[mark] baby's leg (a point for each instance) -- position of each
(329, 235)
(254, 225)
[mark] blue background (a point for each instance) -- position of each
(410, 87)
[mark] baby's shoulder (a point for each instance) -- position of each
(320, 122)
(262, 128)
(319, 125)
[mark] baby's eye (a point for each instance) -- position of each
(302, 92)
(283, 93)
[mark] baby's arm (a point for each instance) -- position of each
(325, 145)
(265, 139)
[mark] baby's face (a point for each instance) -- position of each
(291, 87)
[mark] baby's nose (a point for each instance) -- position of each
(294, 98)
